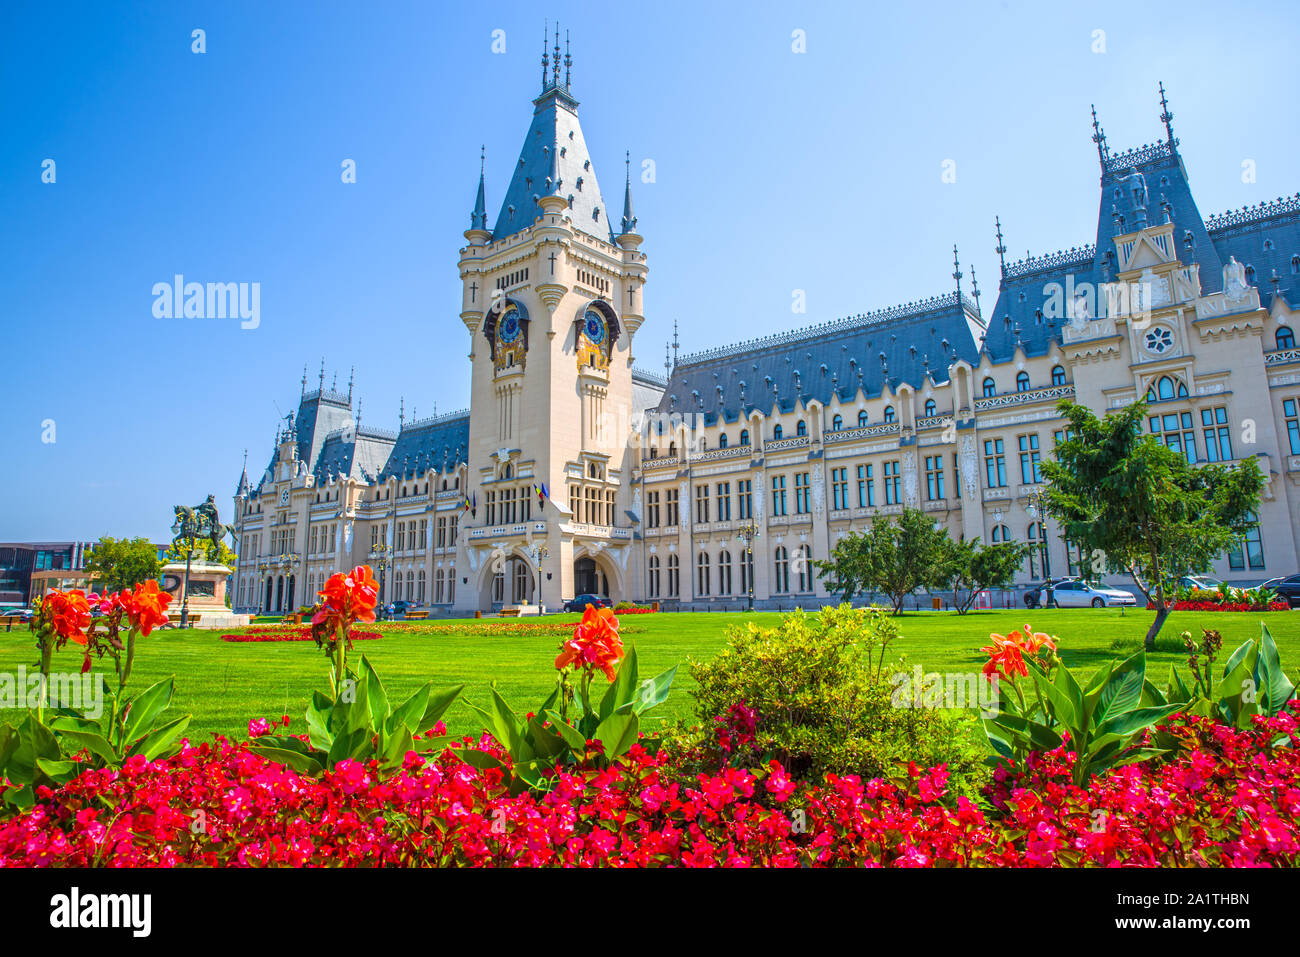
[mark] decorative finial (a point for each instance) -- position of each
(322, 374)
(555, 62)
(546, 60)
(304, 381)
(334, 382)
(974, 287)
(1001, 249)
(675, 344)
(1166, 117)
(956, 271)
(350, 372)
(401, 411)
(629, 217)
(568, 60)
(668, 366)
(1099, 137)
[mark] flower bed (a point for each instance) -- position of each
(1231, 799)
(292, 634)
(1221, 605)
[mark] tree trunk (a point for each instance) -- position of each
(1162, 612)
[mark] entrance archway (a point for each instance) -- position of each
(589, 579)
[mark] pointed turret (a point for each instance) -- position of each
(478, 232)
(629, 217)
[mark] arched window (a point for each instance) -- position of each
(1039, 567)
(1001, 534)
(862, 419)
(722, 440)
(990, 387)
(674, 576)
(1285, 337)
(420, 581)
(777, 431)
(672, 449)
(1249, 549)
(889, 413)
(744, 436)
(1022, 381)
(702, 574)
(437, 586)
(801, 428)
(930, 408)
(1058, 375)
(805, 569)
(1295, 265)
(782, 565)
(1166, 387)
(837, 423)
(724, 572)
(654, 576)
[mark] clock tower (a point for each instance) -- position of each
(552, 298)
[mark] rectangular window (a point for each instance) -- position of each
(1292, 424)
(1247, 551)
(866, 487)
(1175, 430)
(934, 478)
(891, 481)
(670, 502)
(652, 509)
(839, 489)
(1029, 472)
(802, 498)
(701, 503)
(745, 499)
(724, 501)
(778, 494)
(1218, 436)
(995, 464)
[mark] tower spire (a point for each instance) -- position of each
(350, 372)
(676, 344)
(1167, 117)
(629, 218)
(1001, 248)
(555, 62)
(304, 381)
(1099, 137)
(546, 60)
(322, 374)
(478, 219)
(568, 60)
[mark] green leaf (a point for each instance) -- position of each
(376, 697)
(347, 745)
(1274, 687)
(1125, 724)
(318, 721)
(509, 730)
(619, 696)
(59, 772)
(158, 742)
(654, 691)
(408, 713)
(439, 702)
(546, 742)
(91, 741)
(572, 736)
(1123, 690)
(145, 708)
(302, 763)
(1058, 702)
(397, 745)
(477, 759)
(617, 733)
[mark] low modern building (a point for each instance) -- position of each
(573, 472)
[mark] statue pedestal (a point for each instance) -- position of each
(207, 593)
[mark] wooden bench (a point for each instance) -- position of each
(10, 620)
(175, 619)
(508, 613)
(416, 616)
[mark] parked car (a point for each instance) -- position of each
(1286, 589)
(1036, 596)
(22, 614)
(582, 601)
(398, 609)
(1201, 582)
(1080, 594)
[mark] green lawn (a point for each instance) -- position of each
(225, 683)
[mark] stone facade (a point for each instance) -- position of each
(571, 472)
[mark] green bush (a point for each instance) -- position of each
(821, 686)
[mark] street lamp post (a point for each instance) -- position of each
(746, 534)
(379, 559)
(185, 529)
(539, 553)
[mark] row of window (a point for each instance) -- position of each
(714, 579)
(502, 506)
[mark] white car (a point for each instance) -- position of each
(1077, 594)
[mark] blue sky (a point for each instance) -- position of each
(775, 171)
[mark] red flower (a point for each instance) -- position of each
(146, 606)
(68, 613)
(348, 598)
(595, 645)
(1005, 658)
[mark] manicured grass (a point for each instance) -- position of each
(224, 684)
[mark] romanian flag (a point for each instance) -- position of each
(542, 493)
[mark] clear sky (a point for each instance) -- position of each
(775, 171)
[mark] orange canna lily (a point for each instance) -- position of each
(348, 597)
(68, 612)
(146, 606)
(595, 645)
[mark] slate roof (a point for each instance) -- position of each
(440, 442)
(554, 159)
(840, 357)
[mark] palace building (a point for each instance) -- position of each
(573, 472)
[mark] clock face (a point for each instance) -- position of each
(593, 326)
(510, 325)
(284, 496)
